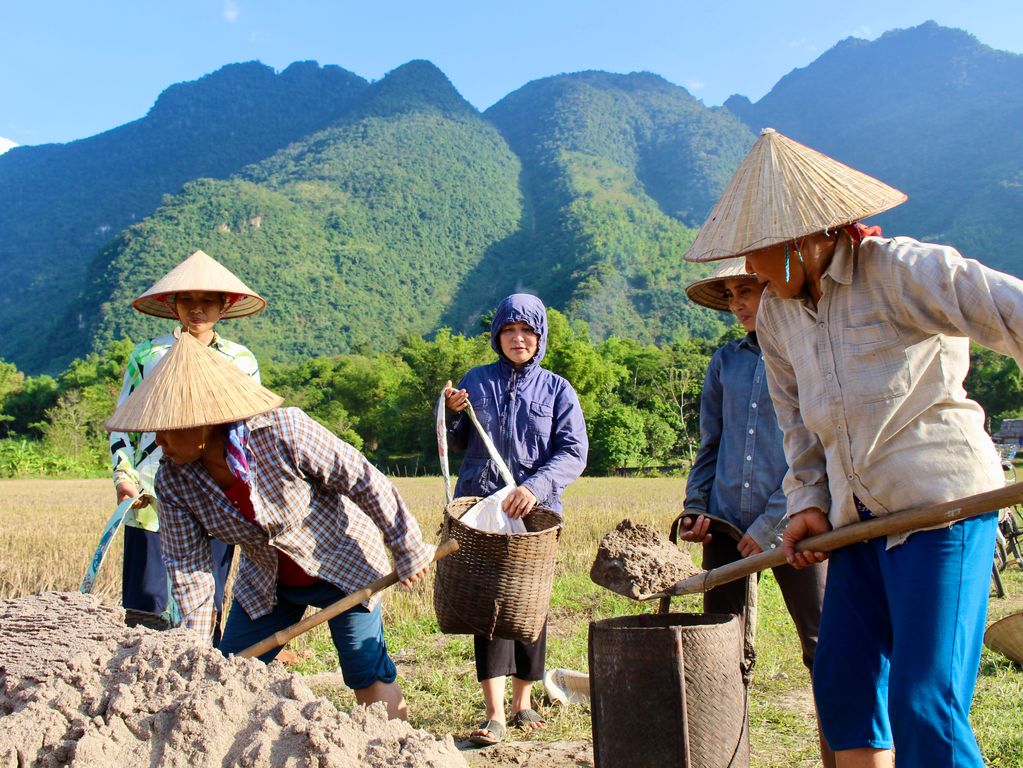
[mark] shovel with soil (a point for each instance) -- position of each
(638, 562)
(691, 664)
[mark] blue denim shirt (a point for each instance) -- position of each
(532, 416)
(739, 469)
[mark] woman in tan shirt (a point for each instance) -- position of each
(866, 343)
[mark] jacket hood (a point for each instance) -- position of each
(520, 308)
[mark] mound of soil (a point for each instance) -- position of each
(77, 686)
(635, 560)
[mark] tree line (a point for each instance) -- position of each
(641, 401)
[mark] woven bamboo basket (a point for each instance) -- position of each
(496, 584)
(667, 689)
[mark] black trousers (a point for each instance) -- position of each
(802, 589)
(500, 657)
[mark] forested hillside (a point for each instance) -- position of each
(618, 171)
(60, 203)
(369, 211)
(931, 111)
(358, 234)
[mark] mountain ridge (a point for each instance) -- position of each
(366, 211)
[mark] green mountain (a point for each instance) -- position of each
(414, 212)
(356, 234)
(366, 211)
(618, 170)
(59, 203)
(931, 111)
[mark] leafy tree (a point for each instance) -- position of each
(617, 438)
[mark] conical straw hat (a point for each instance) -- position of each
(783, 191)
(1005, 636)
(710, 291)
(191, 386)
(199, 272)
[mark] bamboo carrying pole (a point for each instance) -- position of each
(898, 522)
(334, 609)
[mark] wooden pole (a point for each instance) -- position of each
(334, 609)
(898, 522)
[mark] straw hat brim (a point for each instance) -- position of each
(1005, 636)
(191, 386)
(710, 290)
(199, 272)
(783, 191)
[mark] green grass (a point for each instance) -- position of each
(438, 676)
(436, 671)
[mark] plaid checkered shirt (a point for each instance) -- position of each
(316, 498)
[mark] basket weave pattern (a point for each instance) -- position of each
(496, 584)
(676, 675)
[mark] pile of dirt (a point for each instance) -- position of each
(636, 560)
(77, 686)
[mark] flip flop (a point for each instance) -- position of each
(528, 720)
(489, 732)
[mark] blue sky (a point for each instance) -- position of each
(72, 69)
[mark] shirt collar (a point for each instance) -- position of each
(843, 262)
(749, 341)
(217, 342)
(261, 420)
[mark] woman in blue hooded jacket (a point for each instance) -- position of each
(534, 419)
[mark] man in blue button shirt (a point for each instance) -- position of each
(734, 504)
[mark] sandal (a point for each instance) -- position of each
(489, 732)
(528, 720)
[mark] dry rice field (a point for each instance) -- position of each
(49, 529)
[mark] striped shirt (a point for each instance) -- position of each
(868, 386)
(316, 499)
(136, 456)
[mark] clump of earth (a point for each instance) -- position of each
(78, 687)
(636, 560)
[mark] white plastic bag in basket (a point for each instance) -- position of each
(487, 515)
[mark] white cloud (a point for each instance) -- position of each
(695, 85)
(6, 144)
(231, 11)
(802, 45)
(862, 31)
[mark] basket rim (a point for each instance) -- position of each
(453, 519)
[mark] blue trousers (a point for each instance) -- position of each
(900, 642)
(144, 577)
(358, 633)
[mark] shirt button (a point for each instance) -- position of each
(754, 405)
(745, 485)
(751, 431)
(829, 376)
(749, 458)
(820, 325)
(848, 477)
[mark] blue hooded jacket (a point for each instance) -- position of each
(532, 415)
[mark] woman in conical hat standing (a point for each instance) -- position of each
(313, 518)
(866, 341)
(197, 293)
(734, 501)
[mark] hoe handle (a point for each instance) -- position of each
(334, 609)
(898, 522)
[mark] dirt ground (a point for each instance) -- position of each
(534, 754)
(78, 687)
